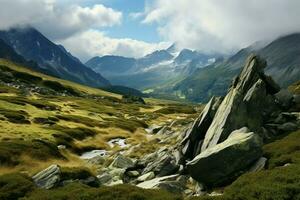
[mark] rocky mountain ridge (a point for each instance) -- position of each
(52, 59)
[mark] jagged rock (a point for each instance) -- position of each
(122, 162)
(259, 165)
(104, 178)
(223, 162)
(146, 177)
(192, 142)
(133, 173)
(164, 165)
(249, 101)
(288, 127)
(48, 178)
(117, 173)
(169, 183)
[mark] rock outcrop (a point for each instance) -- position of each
(249, 101)
(226, 140)
(225, 161)
(191, 144)
(48, 178)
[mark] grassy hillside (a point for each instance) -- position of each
(39, 112)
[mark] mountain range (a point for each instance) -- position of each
(283, 60)
(156, 70)
(52, 59)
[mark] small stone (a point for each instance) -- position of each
(259, 165)
(288, 127)
(133, 173)
(122, 162)
(119, 182)
(104, 178)
(61, 147)
(146, 177)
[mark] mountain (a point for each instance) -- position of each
(283, 60)
(8, 53)
(111, 65)
(154, 58)
(155, 72)
(51, 58)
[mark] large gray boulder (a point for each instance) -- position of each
(249, 101)
(48, 178)
(225, 161)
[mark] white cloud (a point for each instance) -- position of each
(136, 15)
(214, 25)
(57, 20)
(92, 43)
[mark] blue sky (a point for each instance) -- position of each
(130, 28)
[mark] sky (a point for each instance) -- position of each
(134, 28)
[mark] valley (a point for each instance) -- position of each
(149, 100)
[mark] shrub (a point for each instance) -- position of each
(74, 173)
(56, 86)
(76, 191)
(14, 186)
(17, 117)
(12, 150)
(177, 109)
(27, 78)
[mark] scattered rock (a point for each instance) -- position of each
(105, 178)
(225, 161)
(288, 127)
(48, 178)
(164, 165)
(146, 177)
(259, 165)
(133, 173)
(122, 162)
(168, 183)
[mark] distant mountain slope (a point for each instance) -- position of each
(111, 65)
(8, 53)
(282, 55)
(160, 69)
(32, 45)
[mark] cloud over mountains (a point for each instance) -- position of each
(214, 25)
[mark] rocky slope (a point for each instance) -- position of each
(149, 145)
(223, 143)
(283, 66)
(52, 59)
